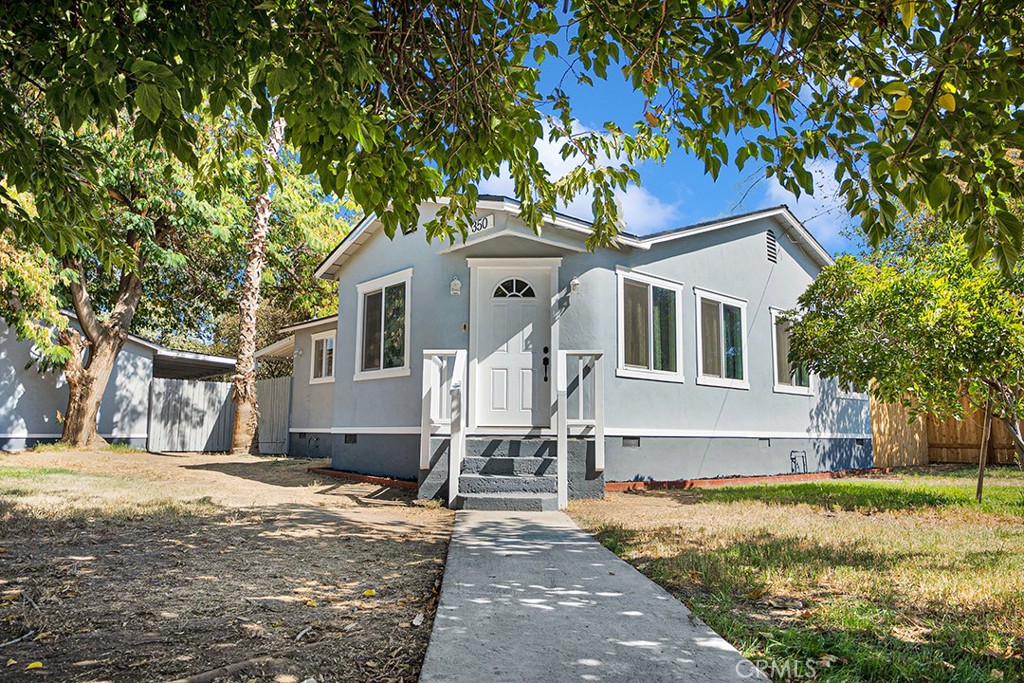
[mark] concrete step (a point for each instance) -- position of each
(510, 466)
(510, 502)
(498, 484)
(511, 447)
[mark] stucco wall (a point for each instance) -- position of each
(312, 404)
(731, 261)
(30, 400)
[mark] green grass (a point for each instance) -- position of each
(9, 472)
(868, 495)
(861, 579)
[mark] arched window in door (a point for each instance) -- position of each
(514, 288)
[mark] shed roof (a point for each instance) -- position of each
(171, 363)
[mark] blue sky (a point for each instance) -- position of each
(679, 193)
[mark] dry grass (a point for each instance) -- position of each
(901, 578)
(134, 567)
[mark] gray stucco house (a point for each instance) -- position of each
(30, 400)
(537, 370)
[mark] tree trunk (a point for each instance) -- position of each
(1013, 427)
(94, 353)
(86, 386)
(986, 433)
(244, 433)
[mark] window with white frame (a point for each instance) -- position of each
(321, 366)
(650, 327)
(722, 338)
(382, 343)
(790, 377)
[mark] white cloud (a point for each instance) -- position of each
(823, 213)
(642, 210)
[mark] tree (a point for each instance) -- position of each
(156, 218)
(243, 434)
(917, 322)
(398, 102)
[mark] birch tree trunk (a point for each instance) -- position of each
(244, 433)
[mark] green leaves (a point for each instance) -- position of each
(405, 107)
(148, 99)
(919, 320)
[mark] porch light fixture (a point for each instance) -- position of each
(574, 285)
(455, 288)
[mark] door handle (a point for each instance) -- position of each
(546, 361)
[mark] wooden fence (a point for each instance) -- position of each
(275, 398)
(897, 442)
(189, 415)
(193, 416)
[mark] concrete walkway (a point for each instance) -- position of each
(530, 597)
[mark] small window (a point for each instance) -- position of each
(650, 327)
(793, 378)
(721, 334)
(383, 335)
(514, 288)
(322, 363)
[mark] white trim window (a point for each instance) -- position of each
(789, 378)
(650, 327)
(382, 326)
(721, 340)
(321, 361)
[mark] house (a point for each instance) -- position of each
(535, 370)
(31, 399)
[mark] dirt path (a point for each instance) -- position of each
(142, 567)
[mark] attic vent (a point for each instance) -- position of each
(773, 247)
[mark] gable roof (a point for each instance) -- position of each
(331, 266)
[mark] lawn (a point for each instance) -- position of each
(128, 566)
(895, 578)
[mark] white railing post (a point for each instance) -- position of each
(426, 416)
(598, 373)
(561, 409)
(457, 440)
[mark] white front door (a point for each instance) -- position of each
(513, 315)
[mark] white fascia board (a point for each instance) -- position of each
(344, 246)
(279, 349)
(327, 320)
(189, 355)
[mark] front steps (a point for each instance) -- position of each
(509, 474)
(512, 473)
(510, 502)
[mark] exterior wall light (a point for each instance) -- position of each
(574, 285)
(456, 287)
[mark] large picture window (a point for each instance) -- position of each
(383, 337)
(722, 337)
(790, 378)
(321, 367)
(650, 327)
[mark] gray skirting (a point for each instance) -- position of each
(626, 459)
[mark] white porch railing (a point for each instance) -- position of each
(444, 381)
(587, 365)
